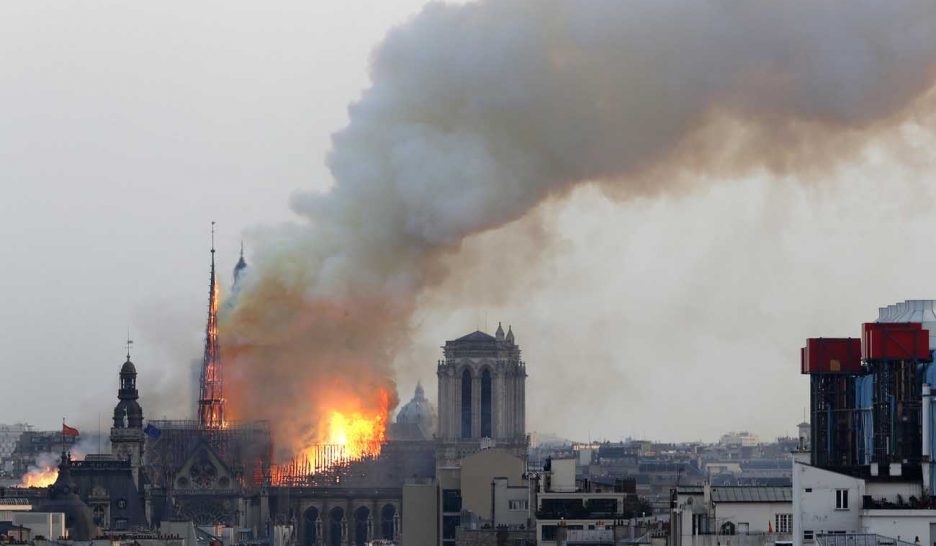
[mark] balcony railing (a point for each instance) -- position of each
(860, 539)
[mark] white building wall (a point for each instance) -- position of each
(757, 515)
(50, 525)
(814, 496)
(890, 491)
(505, 496)
(737, 540)
(907, 525)
(562, 475)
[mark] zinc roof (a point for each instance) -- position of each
(752, 494)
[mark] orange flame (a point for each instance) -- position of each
(347, 433)
(356, 433)
(211, 403)
(39, 477)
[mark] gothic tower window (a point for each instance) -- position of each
(335, 525)
(361, 516)
(387, 513)
(310, 536)
(486, 404)
(466, 405)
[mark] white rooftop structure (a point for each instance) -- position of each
(923, 311)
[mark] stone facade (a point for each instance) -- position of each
(482, 384)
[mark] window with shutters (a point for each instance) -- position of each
(784, 523)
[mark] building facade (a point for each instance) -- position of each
(482, 394)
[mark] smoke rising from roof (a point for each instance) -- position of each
(478, 113)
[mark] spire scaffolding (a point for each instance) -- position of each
(211, 396)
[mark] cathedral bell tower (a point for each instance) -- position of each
(127, 433)
(482, 394)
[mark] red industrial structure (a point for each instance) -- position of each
(865, 394)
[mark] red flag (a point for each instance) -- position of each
(69, 431)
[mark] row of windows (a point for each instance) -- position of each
(841, 498)
(783, 523)
(518, 504)
(332, 525)
(550, 532)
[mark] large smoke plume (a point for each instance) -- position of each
(477, 113)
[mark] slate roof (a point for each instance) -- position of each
(752, 494)
(128, 367)
(407, 431)
(477, 335)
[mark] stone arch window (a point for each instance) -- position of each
(361, 517)
(486, 410)
(466, 404)
(335, 524)
(310, 520)
(387, 514)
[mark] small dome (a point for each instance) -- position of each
(128, 368)
(417, 411)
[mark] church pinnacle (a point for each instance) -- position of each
(211, 395)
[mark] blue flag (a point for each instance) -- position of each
(152, 431)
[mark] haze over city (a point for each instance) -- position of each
(467, 273)
(632, 303)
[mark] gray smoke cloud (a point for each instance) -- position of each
(478, 113)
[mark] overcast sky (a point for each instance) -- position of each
(126, 128)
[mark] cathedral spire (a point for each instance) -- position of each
(239, 267)
(499, 334)
(211, 396)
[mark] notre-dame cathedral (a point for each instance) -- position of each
(482, 384)
(212, 472)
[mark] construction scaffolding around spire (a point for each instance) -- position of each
(211, 395)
